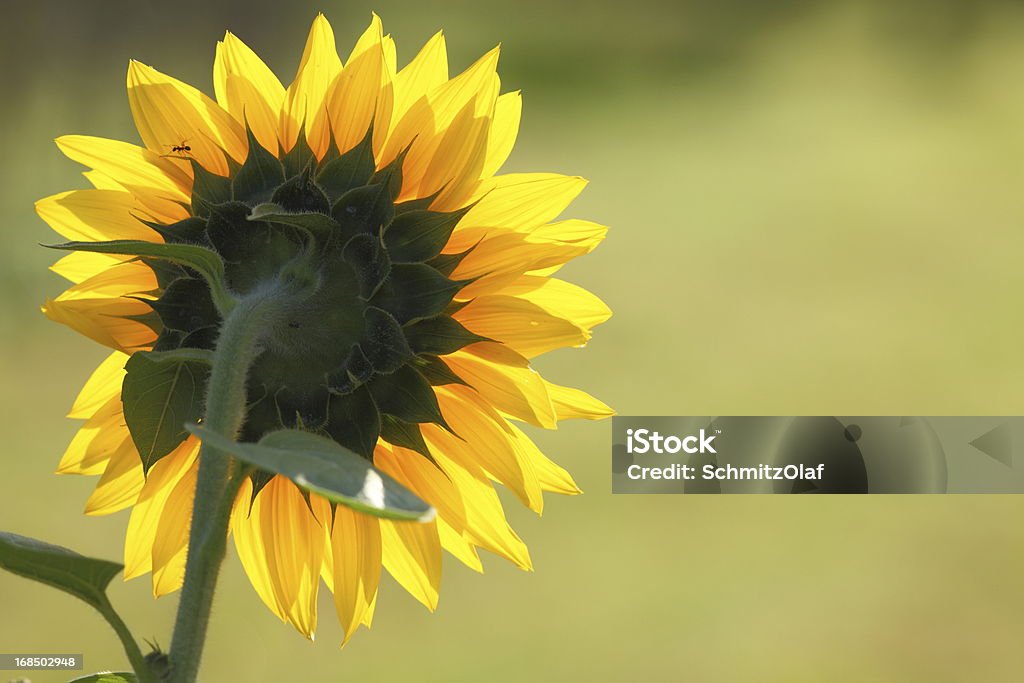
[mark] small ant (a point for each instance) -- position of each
(183, 148)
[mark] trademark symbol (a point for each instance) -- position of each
(718, 431)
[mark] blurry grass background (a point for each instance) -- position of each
(816, 208)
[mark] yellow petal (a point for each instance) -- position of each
(120, 484)
(501, 256)
(522, 325)
(427, 71)
(483, 440)
(412, 555)
(504, 129)
(561, 299)
(356, 554)
(252, 553)
(96, 215)
(305, 99)
(293, 541)
(170, 546)
(105, 321)
(570, 403)
(145, 519)
(428, 482)
(552, 477)
(457, 162)
(458, 545)
(362, 94)
(486, 525)
(103, 385)
(506, 380)
(101, 181)
(96, 441)
(169, 112)
(248, 90)
(423, 126)
(522, 201)
(134, 168)
(121, 279)
(82, 265)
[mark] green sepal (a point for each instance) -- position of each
(188, 230)
(163, 390)
(440, 336)
(421, 204)
(314, 222)
(407, 395)
(364, 209)
(437, 372)
(447, 263)
(391, 175)
(84, 577)
(207, 188)
(354, 421)
(384, 342)
(206, 262)
(150, 318)
(259, 176)
(108, 677)
(301, 195)
(300, 157)
(369, 261)
(350, 170)
(405, 435)
(322, 466)
(186, 305)
(414, 291)
(165, 271)
(417, 236)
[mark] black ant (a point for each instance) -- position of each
(183, 148)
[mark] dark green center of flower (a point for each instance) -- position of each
(356, 358)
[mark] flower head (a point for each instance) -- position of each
(430, 291)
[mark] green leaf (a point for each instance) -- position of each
(440, 336)
(84, 577)
(316, 223)
(162, 391)
(351, 170)
(204, 261)
(259, 176)
(418, 236)
(320, 465)
(108, 677)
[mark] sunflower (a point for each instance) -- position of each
(432, 291)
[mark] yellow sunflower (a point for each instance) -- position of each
(430, 289)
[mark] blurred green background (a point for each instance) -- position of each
(816, 208)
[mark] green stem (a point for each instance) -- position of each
(131, 648)
(219, 477)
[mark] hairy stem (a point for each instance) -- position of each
(219, 477)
